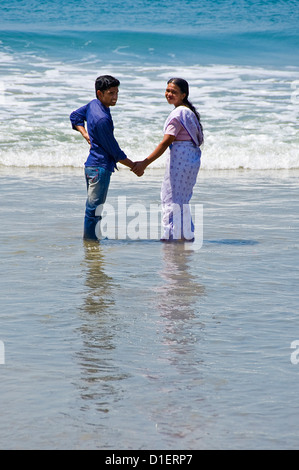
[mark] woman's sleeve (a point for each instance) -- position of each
(173, 127)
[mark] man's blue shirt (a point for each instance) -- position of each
(104, 149)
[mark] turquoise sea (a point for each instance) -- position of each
(131, 344)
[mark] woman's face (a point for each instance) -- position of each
(174, 95)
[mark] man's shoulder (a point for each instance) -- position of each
(97, 110)
(93, 102)
(93, 105)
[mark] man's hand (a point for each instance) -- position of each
(86, 137)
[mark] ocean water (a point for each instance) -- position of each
(133, 344)
(241, 62)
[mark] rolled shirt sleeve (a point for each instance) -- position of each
(78, 117)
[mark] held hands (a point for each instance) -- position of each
(139, 167)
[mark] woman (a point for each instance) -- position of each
(183, 134)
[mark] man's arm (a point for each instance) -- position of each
(78, 119)
(127, 162)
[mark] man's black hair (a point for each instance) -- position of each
(104, 82)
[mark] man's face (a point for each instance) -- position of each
(108, 97)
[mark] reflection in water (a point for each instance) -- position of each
(181, 289)
(144, 369)
(178, 302)
(97, 331)
(99, 285)
(179, 410)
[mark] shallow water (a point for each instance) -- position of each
(134, 344)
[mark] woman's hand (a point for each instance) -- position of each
(139, 167)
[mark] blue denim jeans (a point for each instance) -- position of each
(97, 181)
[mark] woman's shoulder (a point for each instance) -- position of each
(181, 111)
(185, 110)
(178, 114)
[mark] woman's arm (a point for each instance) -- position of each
(139, 167)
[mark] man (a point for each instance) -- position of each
(104, 150)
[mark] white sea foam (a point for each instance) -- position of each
(249, 114)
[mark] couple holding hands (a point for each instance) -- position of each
(183, 135)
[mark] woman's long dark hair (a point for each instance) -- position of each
(184, 87)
